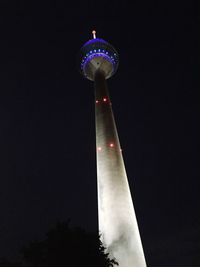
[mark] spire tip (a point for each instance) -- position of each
(94, 34)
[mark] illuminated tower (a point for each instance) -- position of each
(117, 220)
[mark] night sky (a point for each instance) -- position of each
(47, 132)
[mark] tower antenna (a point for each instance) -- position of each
(94, 34)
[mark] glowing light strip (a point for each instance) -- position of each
(98, 51)
(89, 57)
(94, 41)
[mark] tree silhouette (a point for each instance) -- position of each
(6, 263)
(65, 246)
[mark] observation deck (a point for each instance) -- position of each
(98, 55)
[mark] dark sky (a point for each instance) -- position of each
(47, 137)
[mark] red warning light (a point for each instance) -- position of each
(111, 145)
(104, 99)
(99, 148)
(97, 101)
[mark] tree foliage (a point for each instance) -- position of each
(65, 246)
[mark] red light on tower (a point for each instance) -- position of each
(111, 145)
(97, 101)
(104, 99)
(99, 148)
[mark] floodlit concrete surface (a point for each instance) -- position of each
(117, 221)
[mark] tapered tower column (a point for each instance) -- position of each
(117, 221)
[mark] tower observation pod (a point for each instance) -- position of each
(117, 221)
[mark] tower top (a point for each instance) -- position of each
(98, 55)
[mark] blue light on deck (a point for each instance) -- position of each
(94, 41)
(98, 55)
(97, 48)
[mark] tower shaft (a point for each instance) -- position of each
(117, 221)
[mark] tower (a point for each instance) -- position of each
(117, 221)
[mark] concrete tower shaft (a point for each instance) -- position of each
(98, 61)
(117, 221)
